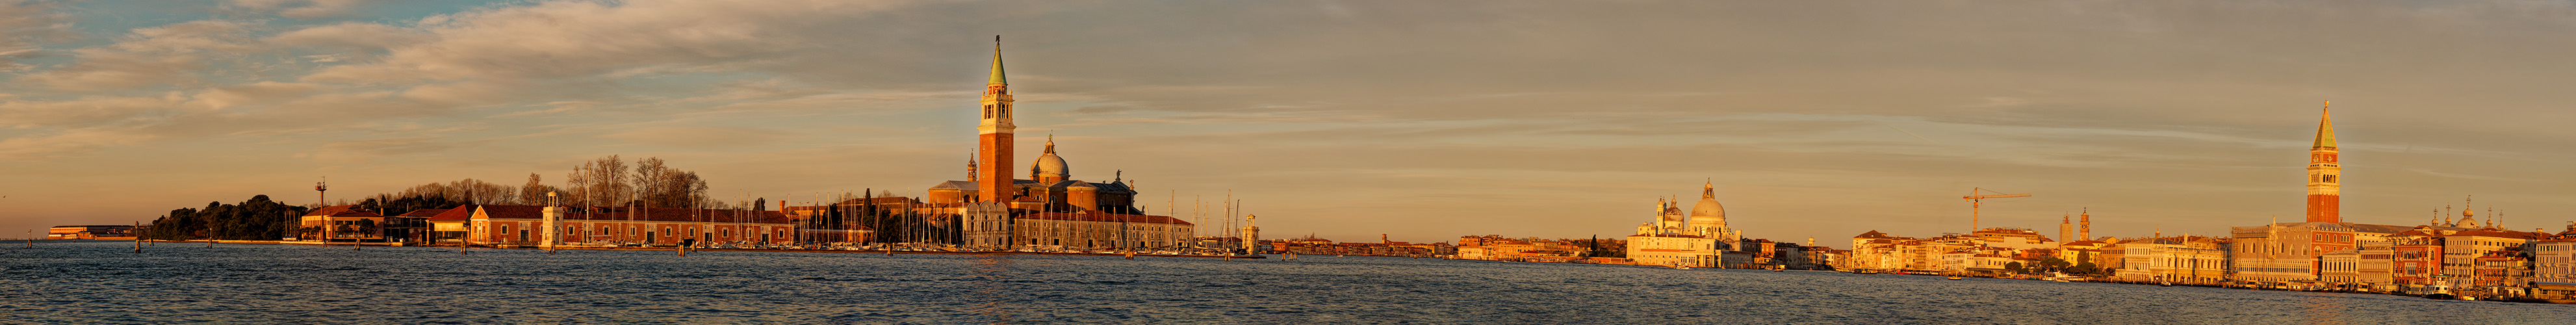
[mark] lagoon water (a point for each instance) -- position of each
(101, 282)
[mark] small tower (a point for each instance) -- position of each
(1251, 235)
(2084, 226)
(2066, 229)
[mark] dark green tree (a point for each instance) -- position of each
(256, 219)
(2052, 264)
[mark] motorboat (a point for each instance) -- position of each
(1954, 277)
(2061, 277)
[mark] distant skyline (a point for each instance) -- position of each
(1423, 120)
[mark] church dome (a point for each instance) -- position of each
(1707, 206)
(1049, 164)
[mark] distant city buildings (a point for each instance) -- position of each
(2443, 255)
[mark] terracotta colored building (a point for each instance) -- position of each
(523, 225)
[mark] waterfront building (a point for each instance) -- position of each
(341, 223)
(2185, 259)
(2416, 255)
(1497, 248)
(1987, 260)
(1880, 251)
(1097, 229)
(2553, 264)
(2465, 252)
(90, 232)
(2076, 252)
(2371, 263)
(2014, 238)
(2292, 251)
(1701, 240)
(523, 225)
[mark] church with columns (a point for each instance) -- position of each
(1050, 208)
(1701, 240)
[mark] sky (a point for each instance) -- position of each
(1419, 120)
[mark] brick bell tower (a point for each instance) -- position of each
(2325, 173)
(993, 179)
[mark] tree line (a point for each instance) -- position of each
(255, 219)
(607, 181)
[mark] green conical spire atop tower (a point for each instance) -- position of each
(2325, 118)
(997, 62)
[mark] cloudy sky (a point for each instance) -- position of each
(1424, 120)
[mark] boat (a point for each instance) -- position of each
(2061, 277)
(2168, 284)
(1954, 277)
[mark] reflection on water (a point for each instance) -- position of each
(995, 285)
(2324, 308)
(99, 282)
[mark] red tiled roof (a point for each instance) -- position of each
(1104, 217)
(459, 213)
(424, 212)
(889, 200)
(2501, 234)
(1667, 236)
(343, 211)
(336, 210)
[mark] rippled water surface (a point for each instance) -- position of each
(101, 282)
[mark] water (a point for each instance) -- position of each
(100, 282)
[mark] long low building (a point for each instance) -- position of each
(90, 232)
(524, 225)
(1103, 230)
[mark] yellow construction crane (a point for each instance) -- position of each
(1975, 202)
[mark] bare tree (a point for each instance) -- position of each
(652, 180)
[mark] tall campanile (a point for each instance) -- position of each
(993, 179)
(2325, 186)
